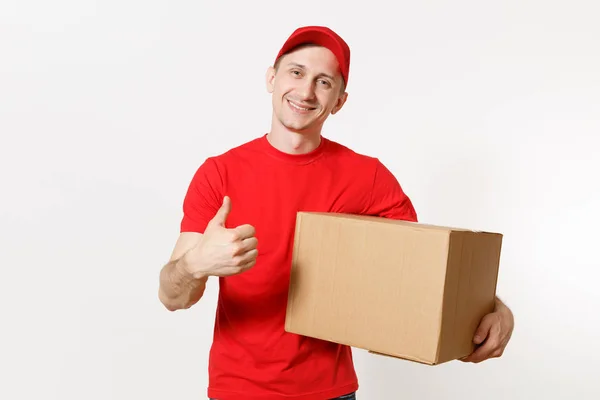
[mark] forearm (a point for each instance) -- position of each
(178, 289)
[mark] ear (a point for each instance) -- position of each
(340, 103)
(270, 79)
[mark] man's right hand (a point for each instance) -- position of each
(222, 251)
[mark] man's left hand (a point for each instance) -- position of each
(493, 334)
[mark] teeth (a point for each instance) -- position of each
(297, 107)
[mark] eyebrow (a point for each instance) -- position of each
(304, 67)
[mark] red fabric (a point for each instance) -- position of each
(252, 357)
(322, 36)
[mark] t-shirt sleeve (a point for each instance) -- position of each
(203, 198)
(388, 199)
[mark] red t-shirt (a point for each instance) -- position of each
(252, 357)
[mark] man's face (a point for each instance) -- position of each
(307, 87)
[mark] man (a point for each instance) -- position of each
(238, 225)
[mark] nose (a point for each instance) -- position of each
(306, 90)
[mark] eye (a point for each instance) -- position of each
(324, 82)
(295, 72)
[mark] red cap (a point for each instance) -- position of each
(322, 36)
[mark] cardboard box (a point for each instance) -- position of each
(397, 288)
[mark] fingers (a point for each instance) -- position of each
(490, 349)
(246, 258)
(238, 264)
(221, 216)
(248, 264)
(249, 244)
(244, 232)
(242, 246)
(488, 339)
(232, 251)
(483, 329)
(481, 353)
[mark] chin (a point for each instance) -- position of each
(298, 128)
(293, 124)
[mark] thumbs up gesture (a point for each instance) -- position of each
(222, 251)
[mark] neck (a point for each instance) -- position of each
(293, 142)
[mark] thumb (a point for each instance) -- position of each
(483, 329)
(221, 216)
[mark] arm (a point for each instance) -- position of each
(388, 198)
(217, 252)
(178, 288)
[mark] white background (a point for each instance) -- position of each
(487, 112)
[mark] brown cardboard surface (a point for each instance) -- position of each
(397, 288)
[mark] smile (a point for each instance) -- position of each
(299, 108)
